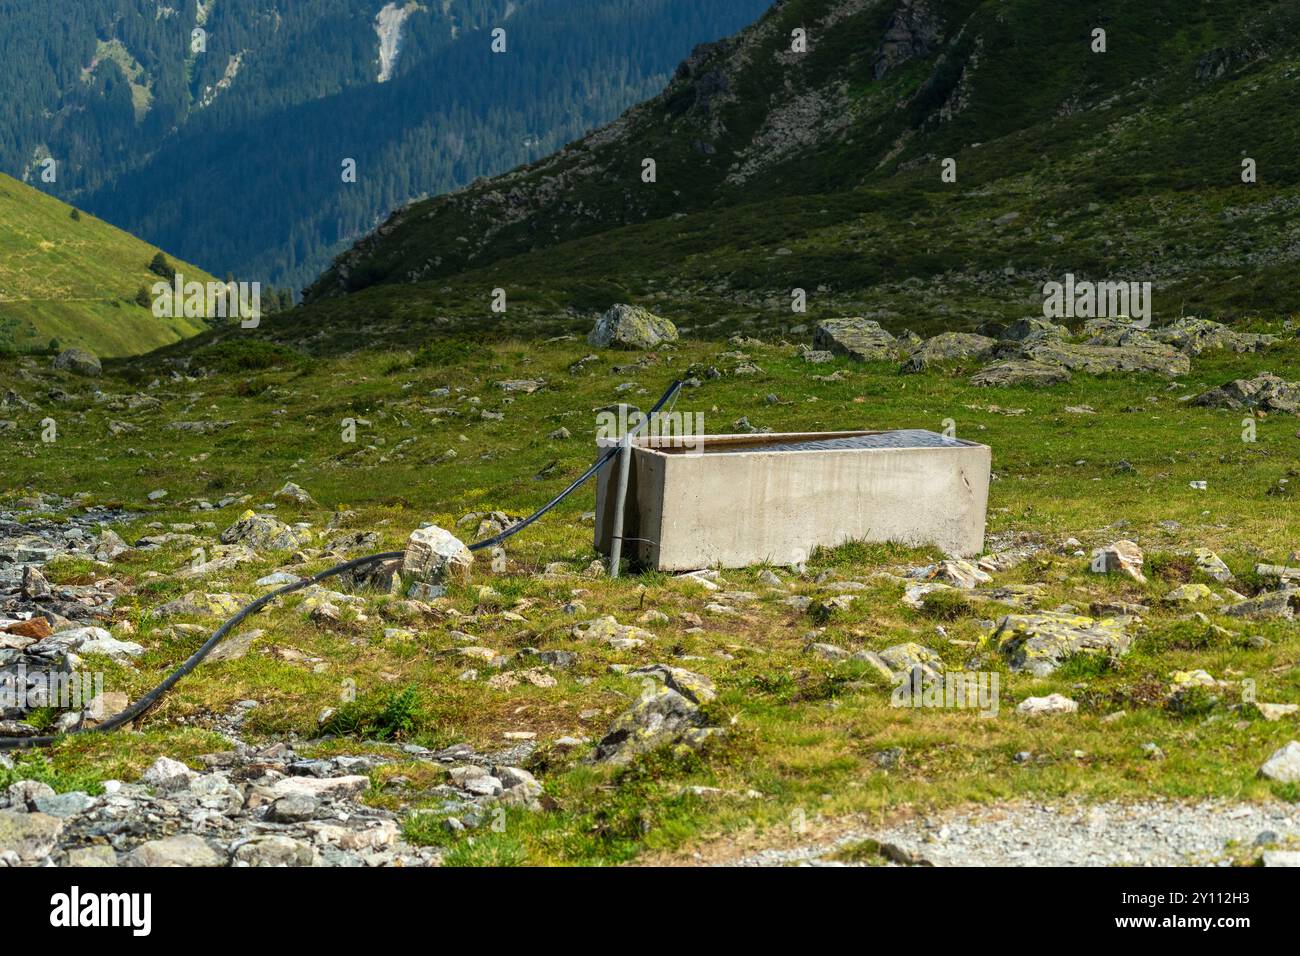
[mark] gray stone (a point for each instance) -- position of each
(631, 327)
(183, 850)
(1019, 372)
(64, 805)
(166, 774)
(1266, 392)
(657, 719)
(436, 556)
(32, 836)
(1284, 765)
(947, 347)
(78, 362)
(293, 808)
(274, 850)
(860, 339)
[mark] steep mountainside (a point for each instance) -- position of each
(823, 170)
(229, 149)
(75, 280)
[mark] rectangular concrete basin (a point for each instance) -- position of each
(740, 500)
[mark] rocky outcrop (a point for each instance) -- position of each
(862, 340)
(1040, 643)
(948, 347)
(631, 327)
(78, 362)
(1266, 392)
(1019, 372)
(914, 31)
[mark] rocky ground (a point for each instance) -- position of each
(1103, 834)
(1135, 601)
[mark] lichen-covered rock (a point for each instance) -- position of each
(295, 494)
(1266, 391)
(1135, 356)
(183, 850)
(263, 533)
(274, 850)
(948, 347)
(695, 687)
(78, 362)
(1040, 643)
(199, 604)
(631, 327)
(1051, 704)
(860, 339)
(1271, 604)
(1211, 565)
(906, 659)
(29, 835)
(958, 574)
(1019, 372)
(658, 719)
(1194, 336)
(607, 630)
(1032, 330)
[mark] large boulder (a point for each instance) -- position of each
(1194, 336)
(1032, 330)
(436, 556)
(1134, 356)
(631, 327)
(1040, 643)
(263, 533)
(658, 719)
(1019, 372)
(1266, 392)
(862, 340)
(78, 362)
(949, 347)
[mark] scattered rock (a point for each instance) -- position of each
(860, 339)
(1283, 766)
(78, 362)
(631, 327)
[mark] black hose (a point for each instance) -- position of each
(149, 700)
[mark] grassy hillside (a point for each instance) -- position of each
(75, 280)
(822, 171)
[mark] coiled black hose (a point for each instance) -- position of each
(149, 700)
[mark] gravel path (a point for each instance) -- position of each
(1108, 834)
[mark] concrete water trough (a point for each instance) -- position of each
(737, 500)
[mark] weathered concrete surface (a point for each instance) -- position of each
(753, 507)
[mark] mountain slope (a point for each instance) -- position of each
(822, 171)
(249, 135)
(75, 280)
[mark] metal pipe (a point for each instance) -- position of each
(620, 505)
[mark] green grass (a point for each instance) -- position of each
(75, 280)
(803, 734)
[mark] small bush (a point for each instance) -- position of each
(947, 605)
(393, 716)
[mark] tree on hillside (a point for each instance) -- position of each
(160, 266)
